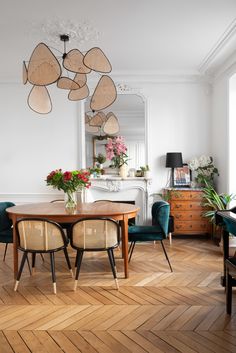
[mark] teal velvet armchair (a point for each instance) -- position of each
(158, 231)
(6, 233)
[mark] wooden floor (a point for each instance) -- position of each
(154, 310)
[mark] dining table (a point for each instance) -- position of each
(56, 211)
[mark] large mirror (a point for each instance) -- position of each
(129, 109)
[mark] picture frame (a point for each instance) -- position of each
(182, 176)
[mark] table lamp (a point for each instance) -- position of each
(173, 160)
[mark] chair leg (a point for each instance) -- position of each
(228, 292)
(79, 257)
(131, 249)
(170, 238)
(111, 259)
(5, 251)
(52, 260)
(33, 262)
(68, 261)
(42, 257)
(166, 255)
(24, 257)
(28, 265)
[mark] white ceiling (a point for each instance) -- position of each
(161, 36)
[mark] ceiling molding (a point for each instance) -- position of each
(220, 51)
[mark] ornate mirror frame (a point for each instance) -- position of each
(121, 89)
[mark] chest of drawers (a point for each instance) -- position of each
(187, 210)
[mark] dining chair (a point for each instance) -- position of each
(230, 266)
(65, 226)
(158, 231)
(95, 234)
(39, 236)
(6, 230)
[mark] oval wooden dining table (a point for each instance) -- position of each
(56, 212)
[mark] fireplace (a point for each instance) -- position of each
(131, 190)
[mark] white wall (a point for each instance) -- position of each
(220, 127)
(32, 145)
(179, 122)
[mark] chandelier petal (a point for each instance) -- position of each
(104, 95)
(96, 60)
(25, 73)
(39, 100)
(44, 68)
(79, 94)
(91, 129)
(80, 79)
(96, 120)
(111, 126)
(73, 61)
(67, 83)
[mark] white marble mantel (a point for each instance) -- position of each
(113, 188)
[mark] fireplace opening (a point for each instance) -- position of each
(131, 220)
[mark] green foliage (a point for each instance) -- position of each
(100, 158)
(145, 168)
(215, 201)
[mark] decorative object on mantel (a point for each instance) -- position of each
(73, 183)
(146, 171)
(116, 153)
(44, 69)
(173, 160)
(204, 170)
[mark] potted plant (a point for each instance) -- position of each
(116, 152)
(215, 202)
(145, 171)
(100, 158)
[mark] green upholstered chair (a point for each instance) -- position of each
(230, 266)
(6, 230)
(158, 231)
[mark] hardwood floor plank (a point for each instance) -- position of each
(4, 344)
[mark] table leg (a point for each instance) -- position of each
(125, 244)
(15, 251)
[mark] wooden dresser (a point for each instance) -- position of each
(186, 208)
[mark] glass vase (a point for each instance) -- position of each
(70, 199)
(81, 195)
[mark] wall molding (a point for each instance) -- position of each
(222, 49)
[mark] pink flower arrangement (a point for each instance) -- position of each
(68, 181)
(116, 151)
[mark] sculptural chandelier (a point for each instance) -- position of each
(69, 71)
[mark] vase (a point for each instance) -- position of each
(81, 195)
(70, 199)
(123, 171)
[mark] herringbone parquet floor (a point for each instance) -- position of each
(154, 310)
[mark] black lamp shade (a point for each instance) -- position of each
(174, 160)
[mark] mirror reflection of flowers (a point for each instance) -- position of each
(116, 151)
(204, 169)
(69, 181)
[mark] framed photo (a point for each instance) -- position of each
(182, 176)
